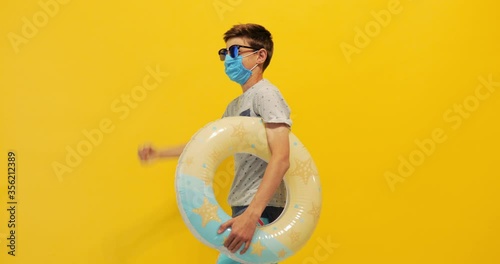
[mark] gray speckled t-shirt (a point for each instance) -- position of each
(262, 100)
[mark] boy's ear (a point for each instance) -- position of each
(262, 56)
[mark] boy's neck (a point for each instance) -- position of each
(255, 78)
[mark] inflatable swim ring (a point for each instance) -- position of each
(201, 212)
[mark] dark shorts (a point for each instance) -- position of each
(270, 213)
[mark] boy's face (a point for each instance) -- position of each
(248, 61)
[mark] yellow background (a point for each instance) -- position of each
(356, 117)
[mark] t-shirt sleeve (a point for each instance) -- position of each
(270, 105)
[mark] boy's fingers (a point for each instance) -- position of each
(224, 226)
(247, 246)
(236, 247)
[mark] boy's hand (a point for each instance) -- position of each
(147, 153)
(243, 228)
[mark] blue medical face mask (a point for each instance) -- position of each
(235, 69)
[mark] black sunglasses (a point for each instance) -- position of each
(233, 51)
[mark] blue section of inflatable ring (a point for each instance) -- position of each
(192, 192)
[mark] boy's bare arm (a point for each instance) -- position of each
(278, 141)
(243, 226)
(148, 152)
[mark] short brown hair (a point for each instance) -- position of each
(256, 35)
